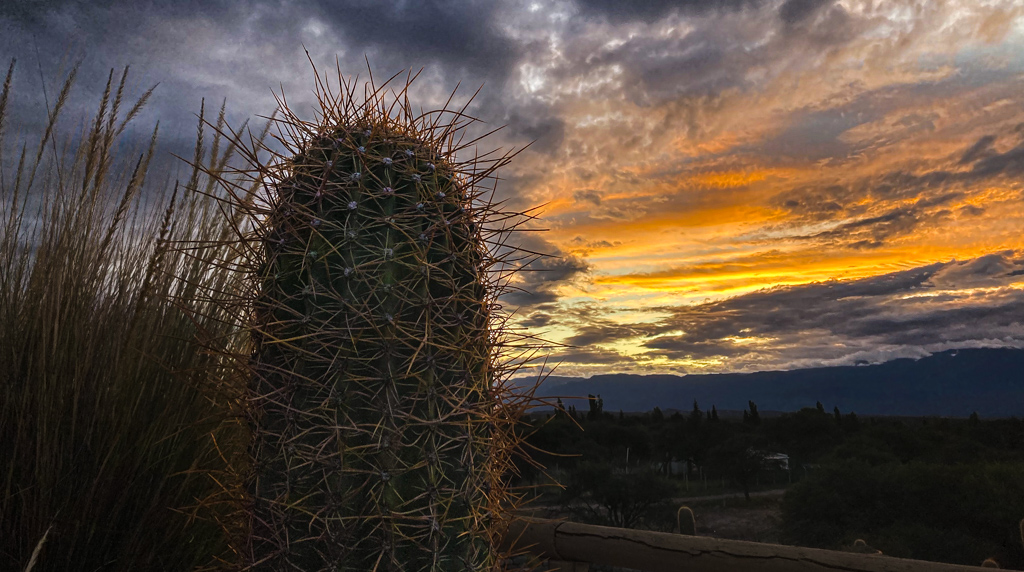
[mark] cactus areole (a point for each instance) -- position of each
(372, 385)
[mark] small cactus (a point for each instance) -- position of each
(686, 523)
(380, 421)
(861, 547)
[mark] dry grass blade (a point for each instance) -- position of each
(37, 550)
(107, 404)
(3, 106)
(62, 99)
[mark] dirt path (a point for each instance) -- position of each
(551, 509)
(769, 493)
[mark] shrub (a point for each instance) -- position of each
(110, 417)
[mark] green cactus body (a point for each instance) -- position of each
(686, 522)
(372, 390)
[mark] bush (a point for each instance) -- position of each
(950, 513)
(602, 495)
(110, 420)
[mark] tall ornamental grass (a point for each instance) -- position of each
(114, 424)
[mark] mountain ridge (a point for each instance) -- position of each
(952, 383)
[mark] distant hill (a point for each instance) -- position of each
(952, 383)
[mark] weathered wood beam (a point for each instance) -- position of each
(665, 552)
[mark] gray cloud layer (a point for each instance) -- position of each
(903, 314)
(687, 64)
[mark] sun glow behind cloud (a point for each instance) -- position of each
(749, 185)
(846, 166)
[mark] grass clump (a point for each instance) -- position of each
(111, 420)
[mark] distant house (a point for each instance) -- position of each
(776, 461)
(769, 461)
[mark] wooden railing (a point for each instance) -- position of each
(570, 546)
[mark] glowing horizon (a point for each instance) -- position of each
(766, 184)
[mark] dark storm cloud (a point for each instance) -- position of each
(796, 11)
(244, 50)
(980, 271)
(873, 232)
(814, 136)
(679, 347)
(193, 50)
(537, 282)
(687, 65)
(902, 314)
(980, 148)
(593, 206)
(459, 33)
(985, 164)
(595, 356)
(814, 202)
(540, 317)
(587, 196)
(910, 311)
(944, 326)
(581, 242)
(700, 64)
(601, 331)
(684, 64)
(532, 123)
(652, 10)
(1010, 163)
(877, 207)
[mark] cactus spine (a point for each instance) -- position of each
(380, 424)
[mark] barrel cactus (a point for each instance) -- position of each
(380, 423)
(686, 522)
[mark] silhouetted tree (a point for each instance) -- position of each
(714, 413)
(751, 417)
(805, 435)
(695, 416)
(596, 407)
(615, 499)
(850, 422)
(657, 416)
(893, 506)
(839, 416)
(740, 458)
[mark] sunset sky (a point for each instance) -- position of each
(731, 185)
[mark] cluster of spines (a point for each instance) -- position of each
(382, 428)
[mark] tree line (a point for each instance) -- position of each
(937, 489)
